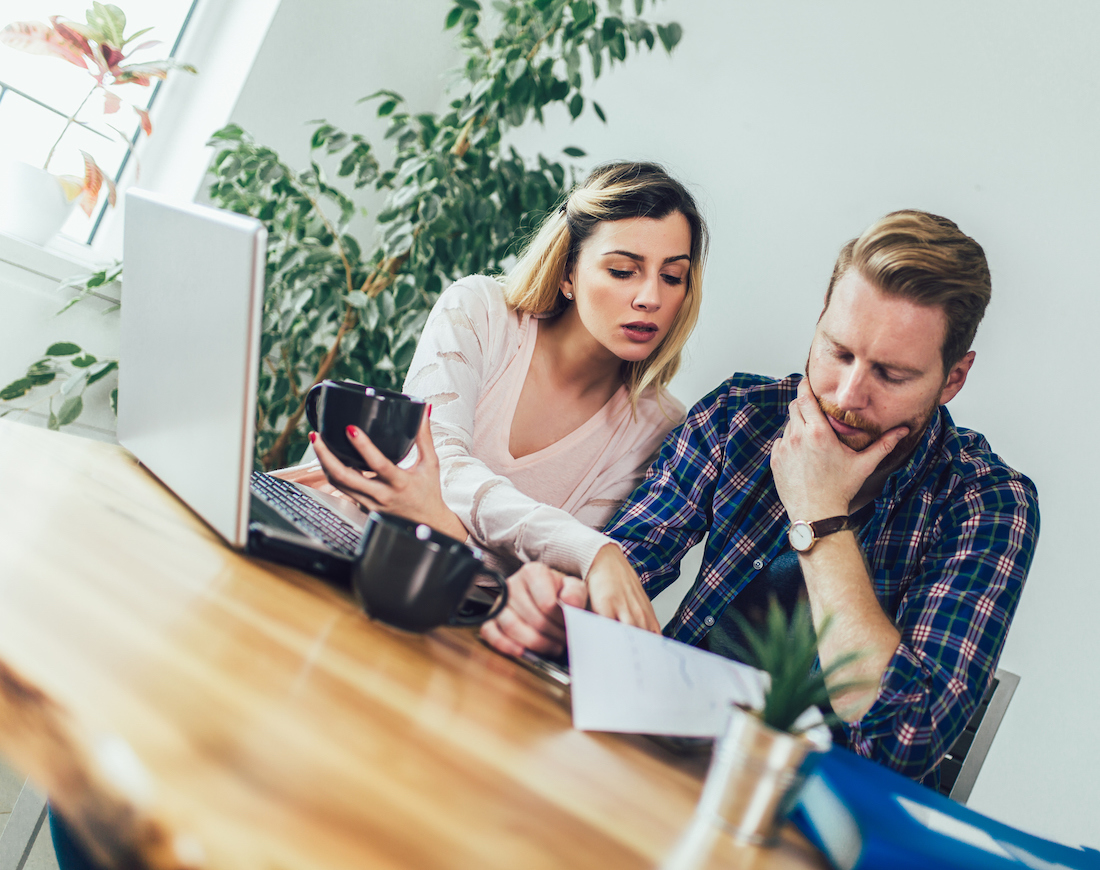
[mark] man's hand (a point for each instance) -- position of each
(615, 591)
(533, 619)
(413, 493)
(816, 475)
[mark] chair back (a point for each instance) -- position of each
(959, 768)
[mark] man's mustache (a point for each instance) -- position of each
(849, 418)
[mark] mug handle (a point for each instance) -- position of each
(312, 398)
(498, 605)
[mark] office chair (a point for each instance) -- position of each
(22, 828)
(959, 768)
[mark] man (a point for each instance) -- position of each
(851, 486)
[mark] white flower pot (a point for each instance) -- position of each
(33, 205)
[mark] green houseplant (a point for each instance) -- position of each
(456, 199)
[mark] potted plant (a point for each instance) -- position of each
(758, 759)
(37, 201)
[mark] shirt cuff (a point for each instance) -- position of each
(574, 553)
(902, 685)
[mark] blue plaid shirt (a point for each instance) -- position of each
(948, 546)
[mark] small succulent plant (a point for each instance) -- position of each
(787, 651)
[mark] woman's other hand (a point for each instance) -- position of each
(310, 474)
(413, 493)
(614, 590)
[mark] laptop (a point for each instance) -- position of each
(188, 371)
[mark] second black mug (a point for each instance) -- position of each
(415, 578)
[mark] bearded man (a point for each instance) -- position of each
(850, 486)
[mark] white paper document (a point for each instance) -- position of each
(626, 679)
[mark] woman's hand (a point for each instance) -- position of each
(413, 493)
(615, 591)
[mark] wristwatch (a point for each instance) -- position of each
(804, 535)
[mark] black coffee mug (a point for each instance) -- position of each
(389, 419)
(415, 578)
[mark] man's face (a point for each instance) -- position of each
(875, 364)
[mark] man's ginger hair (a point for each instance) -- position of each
(928, 260)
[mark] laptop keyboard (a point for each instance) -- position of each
(309, 515)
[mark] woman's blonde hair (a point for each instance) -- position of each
(612, 192)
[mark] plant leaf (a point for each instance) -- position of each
(93, 181)
(16, 389)
(62, 348)
(146, 124)
(70, 410)
(105, 369)
(73, 382)
(228, 133)
(670, 35)
(34, 37)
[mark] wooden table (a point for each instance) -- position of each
(185, 706)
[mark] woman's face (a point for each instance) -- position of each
(629, 282)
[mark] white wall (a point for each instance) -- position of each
(798, 123)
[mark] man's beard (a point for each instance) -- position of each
(870, 432)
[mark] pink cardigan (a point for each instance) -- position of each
(549, 506)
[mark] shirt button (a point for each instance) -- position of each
(708, 621)
(758, 564)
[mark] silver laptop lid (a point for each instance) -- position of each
(189, 350)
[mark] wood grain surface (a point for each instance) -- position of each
(186, 706)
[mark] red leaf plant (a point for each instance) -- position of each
(98, 47)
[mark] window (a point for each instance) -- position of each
(38, 94)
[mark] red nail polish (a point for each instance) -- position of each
(312, 437)
(352, 432)
(429, 412)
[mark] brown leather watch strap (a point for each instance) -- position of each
(830, 526)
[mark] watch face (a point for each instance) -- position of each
(801, 536)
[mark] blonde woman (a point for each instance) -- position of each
(548, 387)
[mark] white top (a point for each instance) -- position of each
(471, 364)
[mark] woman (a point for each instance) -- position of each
(547, 391)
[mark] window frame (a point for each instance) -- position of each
(221, 39)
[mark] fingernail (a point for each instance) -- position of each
(312, 437)
(353, 432)
(429, 412)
